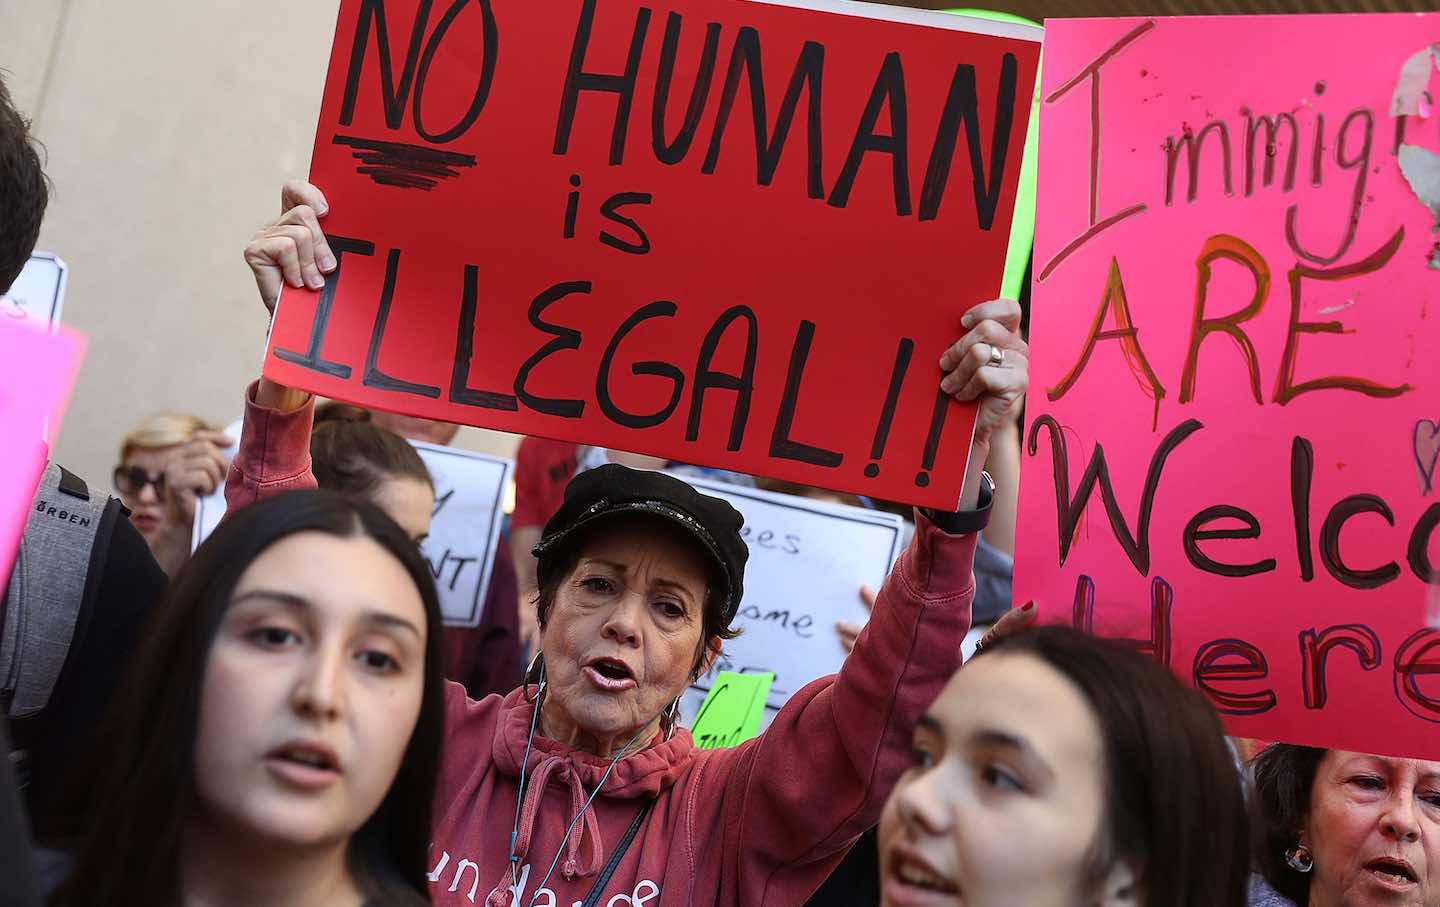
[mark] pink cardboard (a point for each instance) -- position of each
(1234, 372)
(37, 372)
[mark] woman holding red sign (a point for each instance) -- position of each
(580, 787)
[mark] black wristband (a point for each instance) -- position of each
(966, 521)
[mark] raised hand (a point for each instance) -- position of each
(292, 250)
(849, 632)
(990, 364)
(196, 469)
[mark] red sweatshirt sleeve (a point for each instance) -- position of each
(274, 454)
(799, 794)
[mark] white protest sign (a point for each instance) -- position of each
(465, 527)
(210, 509)
(208, 512)
(808, 560)
(38, 294)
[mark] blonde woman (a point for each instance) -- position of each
(166, 462)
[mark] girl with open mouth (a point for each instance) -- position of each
(1061, 770)
(279, 738)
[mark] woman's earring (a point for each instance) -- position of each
(1299, 858)
(671, 718)
(539, 675)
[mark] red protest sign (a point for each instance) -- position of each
(729, 233)
(1230, 458)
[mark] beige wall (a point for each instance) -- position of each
(170, 126)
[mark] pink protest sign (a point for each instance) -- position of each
(1234, 417)
(37, 371)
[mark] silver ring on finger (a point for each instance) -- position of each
(997, 357)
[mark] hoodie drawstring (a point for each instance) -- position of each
(502, 894)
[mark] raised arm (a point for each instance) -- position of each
(800, 793)
(274, 454)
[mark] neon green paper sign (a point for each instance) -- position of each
(732, 710)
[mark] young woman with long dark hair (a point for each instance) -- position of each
(279, 737)
(1057, 769)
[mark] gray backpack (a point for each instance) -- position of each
(51, 591)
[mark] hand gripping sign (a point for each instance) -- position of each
(736, 234)
(1230, 459)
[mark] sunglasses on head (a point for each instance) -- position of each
(132, 480)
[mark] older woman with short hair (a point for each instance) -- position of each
(1343, 829)
(580, 787)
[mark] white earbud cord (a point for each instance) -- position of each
(520, 793)
(580, 815)
(520, 798)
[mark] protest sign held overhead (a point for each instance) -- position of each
(731, 233)
(808, 560)
(1230, 456)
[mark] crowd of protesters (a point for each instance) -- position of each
(280, 718)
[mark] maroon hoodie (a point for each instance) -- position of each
(760, 824)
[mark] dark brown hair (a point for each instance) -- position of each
(131, 853)
(339, 411)
(24, 191)
(353, 457)
(780, 486)
(1174, 795)
(558, 564)
(1284, 776)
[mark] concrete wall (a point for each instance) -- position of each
(170, 126)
